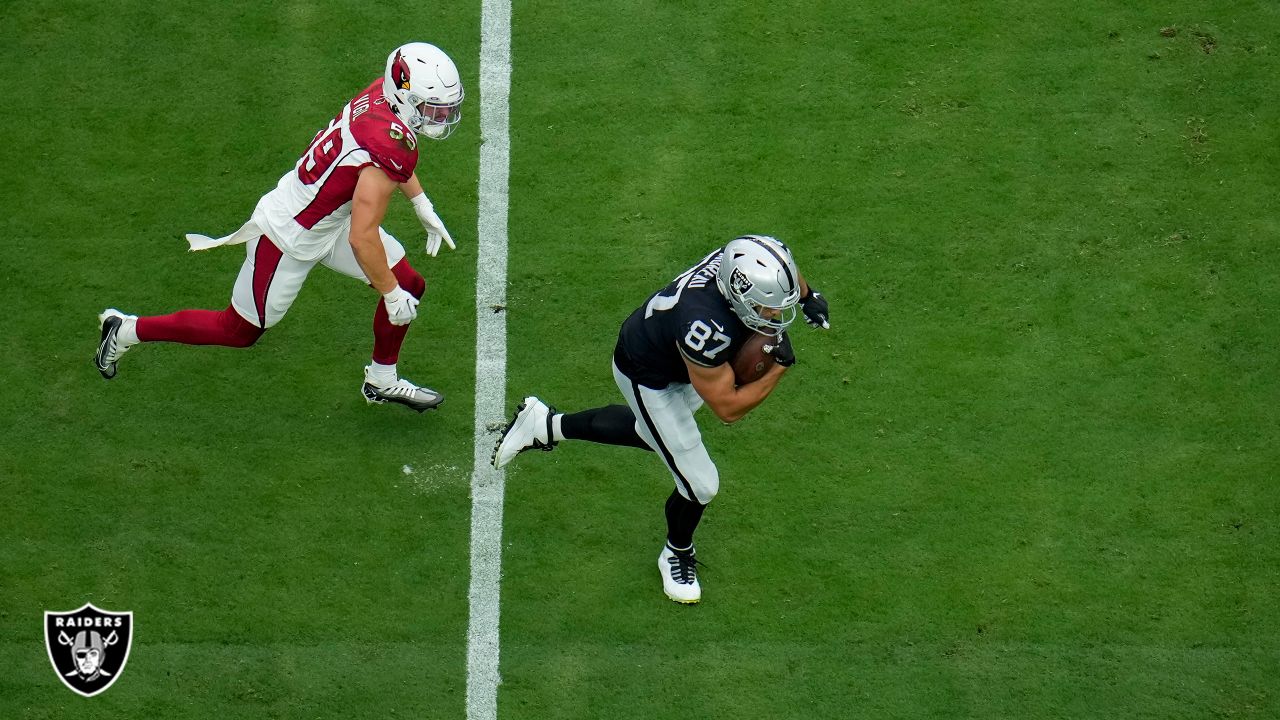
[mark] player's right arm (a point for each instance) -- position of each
(716, 386)
(368, 206)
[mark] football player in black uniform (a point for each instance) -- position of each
(673, 356)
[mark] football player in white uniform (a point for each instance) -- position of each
(328, 209)
(673, 355)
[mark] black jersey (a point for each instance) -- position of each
(688, 318)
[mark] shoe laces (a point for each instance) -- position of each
(684, 567)
(401, 388)
(114, 348)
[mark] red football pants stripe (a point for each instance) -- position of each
(265, 261)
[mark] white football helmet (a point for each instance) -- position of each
(424, 89)
(759, 279)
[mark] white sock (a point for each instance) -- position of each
(128, 333)
(556, 433)
(383, 374)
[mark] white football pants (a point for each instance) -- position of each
(664, 420)
(270, 279)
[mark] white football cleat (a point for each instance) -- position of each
(401, 391)
(530, 429)
(679, 574)
(109, 346)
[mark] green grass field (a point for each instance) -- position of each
(1030, 473)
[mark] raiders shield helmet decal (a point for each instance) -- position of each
(88, 647)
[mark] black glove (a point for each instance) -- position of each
(782, 351)
(815, 310)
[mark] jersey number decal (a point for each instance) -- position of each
(662, 303)
(698, 336)
(320, 156)
(397, 133)
(666, 302)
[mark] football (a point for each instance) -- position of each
(752, 361)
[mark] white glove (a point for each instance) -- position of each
(432, 223)
(402, 307)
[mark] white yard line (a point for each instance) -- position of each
(491, 360)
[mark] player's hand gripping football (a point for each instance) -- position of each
(432, 223)
(815, 310)
(782, 351)
(402, 307)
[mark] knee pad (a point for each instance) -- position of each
(699, 475)
(707, 486)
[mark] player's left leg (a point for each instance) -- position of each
(665, 421)
(692, 462)
(382, 382)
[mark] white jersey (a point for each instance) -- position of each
(310, 208)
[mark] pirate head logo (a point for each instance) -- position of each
(88, 647)
(739, 281)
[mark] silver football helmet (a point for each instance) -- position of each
(424, 89)
(759, 279)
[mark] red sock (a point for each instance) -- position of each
(387, 338)
(200, 327)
